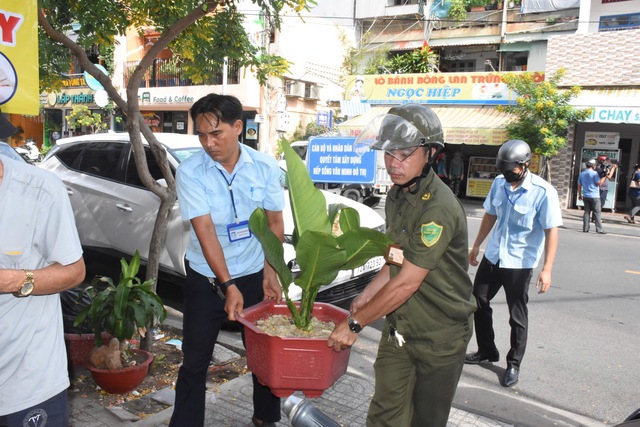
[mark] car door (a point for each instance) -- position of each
(136, 211)
(93, 189)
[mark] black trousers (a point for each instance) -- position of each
(203, 317)
(489, 279)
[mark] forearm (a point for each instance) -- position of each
(485, 228)
(392, 294)
(550, 248)
(48, 280)
(211, 248)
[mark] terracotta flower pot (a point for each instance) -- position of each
(288, 364)
(124, 380)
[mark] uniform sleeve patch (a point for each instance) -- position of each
(431, 233)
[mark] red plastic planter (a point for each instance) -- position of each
(288, 364)
(121, 380)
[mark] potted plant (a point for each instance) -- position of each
(325, 242)
(122, 310)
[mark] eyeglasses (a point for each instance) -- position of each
(401, 154)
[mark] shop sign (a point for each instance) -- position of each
(62, 99)
(438, 88)
(147, 98)
(615, 115)
(601, 140)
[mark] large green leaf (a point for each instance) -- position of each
(308, 204)
(362, 244)
(349, 219)
(320, 259)
(271, 245)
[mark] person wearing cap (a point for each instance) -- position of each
(424, 289)
(634, 194)
(589, 182)
(40, 256)
(522, 216)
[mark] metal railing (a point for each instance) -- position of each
(168, 72)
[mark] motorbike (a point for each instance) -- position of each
(29, 151)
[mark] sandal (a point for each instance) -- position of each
(629, 220)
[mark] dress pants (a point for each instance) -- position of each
(203, 316)
(515, 281)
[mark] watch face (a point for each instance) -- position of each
(26, 289)
(354, 326)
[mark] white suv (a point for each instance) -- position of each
(115, 212)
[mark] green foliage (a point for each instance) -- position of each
(324, 242)
(81, 116)
(202, 46)
(457, 10)
(542, 112)
(122, 309)
(422, 60)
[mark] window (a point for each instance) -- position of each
(627, 21)
(101, 159)
(132, 177)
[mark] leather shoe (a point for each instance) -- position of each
(259, 423)
(510, 376)
(478, 357)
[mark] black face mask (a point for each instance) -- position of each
(511, 176)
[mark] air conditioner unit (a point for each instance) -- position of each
(294, 88)
(311, 91)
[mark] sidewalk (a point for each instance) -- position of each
(230, 404)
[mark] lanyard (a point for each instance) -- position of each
(233, 203)
(513, 202)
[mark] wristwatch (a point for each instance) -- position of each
(27, 286)
(354, 326)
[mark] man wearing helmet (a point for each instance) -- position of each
(589, 182)
(424, 290)
(524, 213)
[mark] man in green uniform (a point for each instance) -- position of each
(424, 289)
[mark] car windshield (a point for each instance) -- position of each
(182, 154)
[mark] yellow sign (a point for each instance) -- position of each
(476, 88)
(19, 88)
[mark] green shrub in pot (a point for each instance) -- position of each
(325, 240)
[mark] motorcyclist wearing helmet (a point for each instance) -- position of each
(522, 216)
(424, 290)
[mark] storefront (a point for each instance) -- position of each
(612, 129)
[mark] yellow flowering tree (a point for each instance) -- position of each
(542, 114)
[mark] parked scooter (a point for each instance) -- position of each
(29, 151)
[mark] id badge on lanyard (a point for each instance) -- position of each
(238, 231)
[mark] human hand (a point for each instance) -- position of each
(473, 256)
(234, 302)
(341, 338)
(271, 285)
(544, 282)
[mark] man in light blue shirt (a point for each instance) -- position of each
(524, 213)
(218, 190)
(589, 182)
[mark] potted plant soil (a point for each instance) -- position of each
(122, 310)
(325, 242)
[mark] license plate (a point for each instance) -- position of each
(372, 264)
